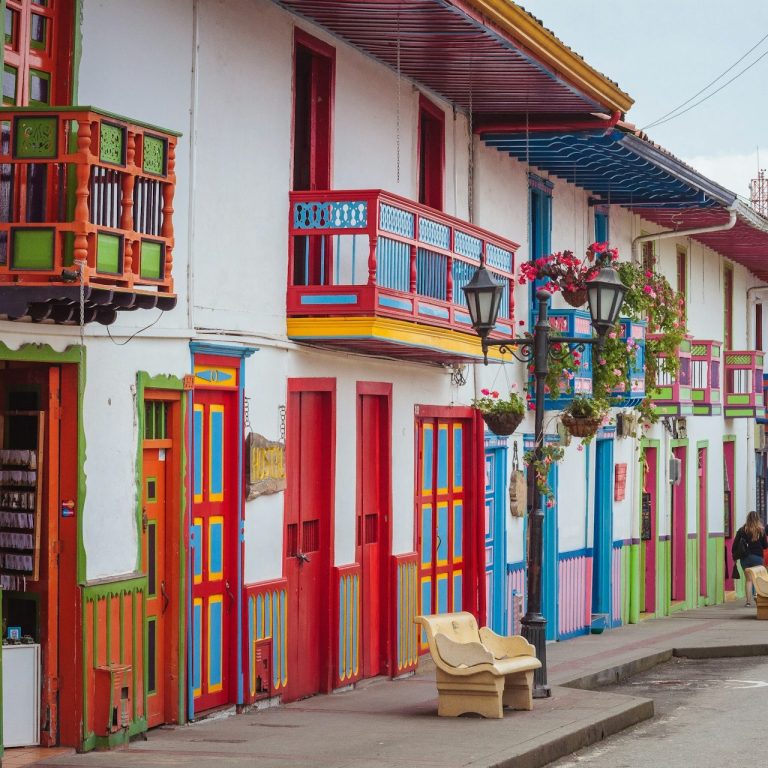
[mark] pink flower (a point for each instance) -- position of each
(649, 274)
(485, 391)
(521, 322)
(550, 504)
(647, 289)
(612, 335)
(602, 361)
(579, 447)
(616, 372)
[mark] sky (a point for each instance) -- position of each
(662, 52)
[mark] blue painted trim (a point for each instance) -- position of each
(240, 528)
(389, 301)
(467, 320)
(573, 633)
(426, 309)
(222, 350)
(512, 567)
(340, 298)
(583, 552)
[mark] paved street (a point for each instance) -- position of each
(393, 723)
(709, 713)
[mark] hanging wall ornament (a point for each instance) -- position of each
(518, 488)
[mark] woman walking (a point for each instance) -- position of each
(748, 545)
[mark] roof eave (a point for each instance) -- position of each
(517, 24)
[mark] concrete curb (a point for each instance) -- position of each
(572, 738)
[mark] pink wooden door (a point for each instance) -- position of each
(679, 526)
(648, 527)
(703, 528)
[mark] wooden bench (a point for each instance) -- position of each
(759, 576)
(478, 670)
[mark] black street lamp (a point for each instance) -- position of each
(605, 294)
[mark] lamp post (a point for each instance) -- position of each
(605, 295)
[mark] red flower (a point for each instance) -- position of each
(598, 247)
(485, 391)
(494, 393)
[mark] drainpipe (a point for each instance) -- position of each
(751, 301)
(670, 233)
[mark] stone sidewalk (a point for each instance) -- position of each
(393, 723)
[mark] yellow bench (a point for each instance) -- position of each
(759, 577)
(478, 670)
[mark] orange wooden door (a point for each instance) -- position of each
(154, 565)
(441, 502)
(214, 515)
(38, 38)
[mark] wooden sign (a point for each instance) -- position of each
(265, 465)
(645, 518)
(619, 482)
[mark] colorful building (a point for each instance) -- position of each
(237, 365)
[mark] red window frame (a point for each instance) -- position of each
(431, 154)
(728, 307)
(322, 76)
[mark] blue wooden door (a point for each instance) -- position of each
(495, 533)
(603, 528)
(549, 580)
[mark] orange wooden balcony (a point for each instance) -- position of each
(86, 215)
(374, 273)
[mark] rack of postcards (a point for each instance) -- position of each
(20, 510)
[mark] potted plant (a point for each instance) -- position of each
(502, 415)
(584, 415)
(568, 274)
(540, 466)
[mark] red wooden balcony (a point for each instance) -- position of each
(672, 394)
(705, 377)
(86, 203)
(374, 273)
(743, 384)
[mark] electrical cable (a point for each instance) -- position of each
(674, 113)
(133, 335)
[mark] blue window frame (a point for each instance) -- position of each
(602, 228)
(539, 227)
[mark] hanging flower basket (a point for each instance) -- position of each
(502, 423)
(575, 298)
(581, 427)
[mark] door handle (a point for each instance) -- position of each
(229, 591)
(165, 596)
(302, 558)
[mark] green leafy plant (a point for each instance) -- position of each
(561, 371)
(540, 466)
(650, 296)
(492, 402)
(587, 408)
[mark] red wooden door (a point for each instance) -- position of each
(373, 510)
(214, 517)
(679, 526)
(153, 564)
(648, 526)
(308, 540)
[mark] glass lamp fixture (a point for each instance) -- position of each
(483, 295)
